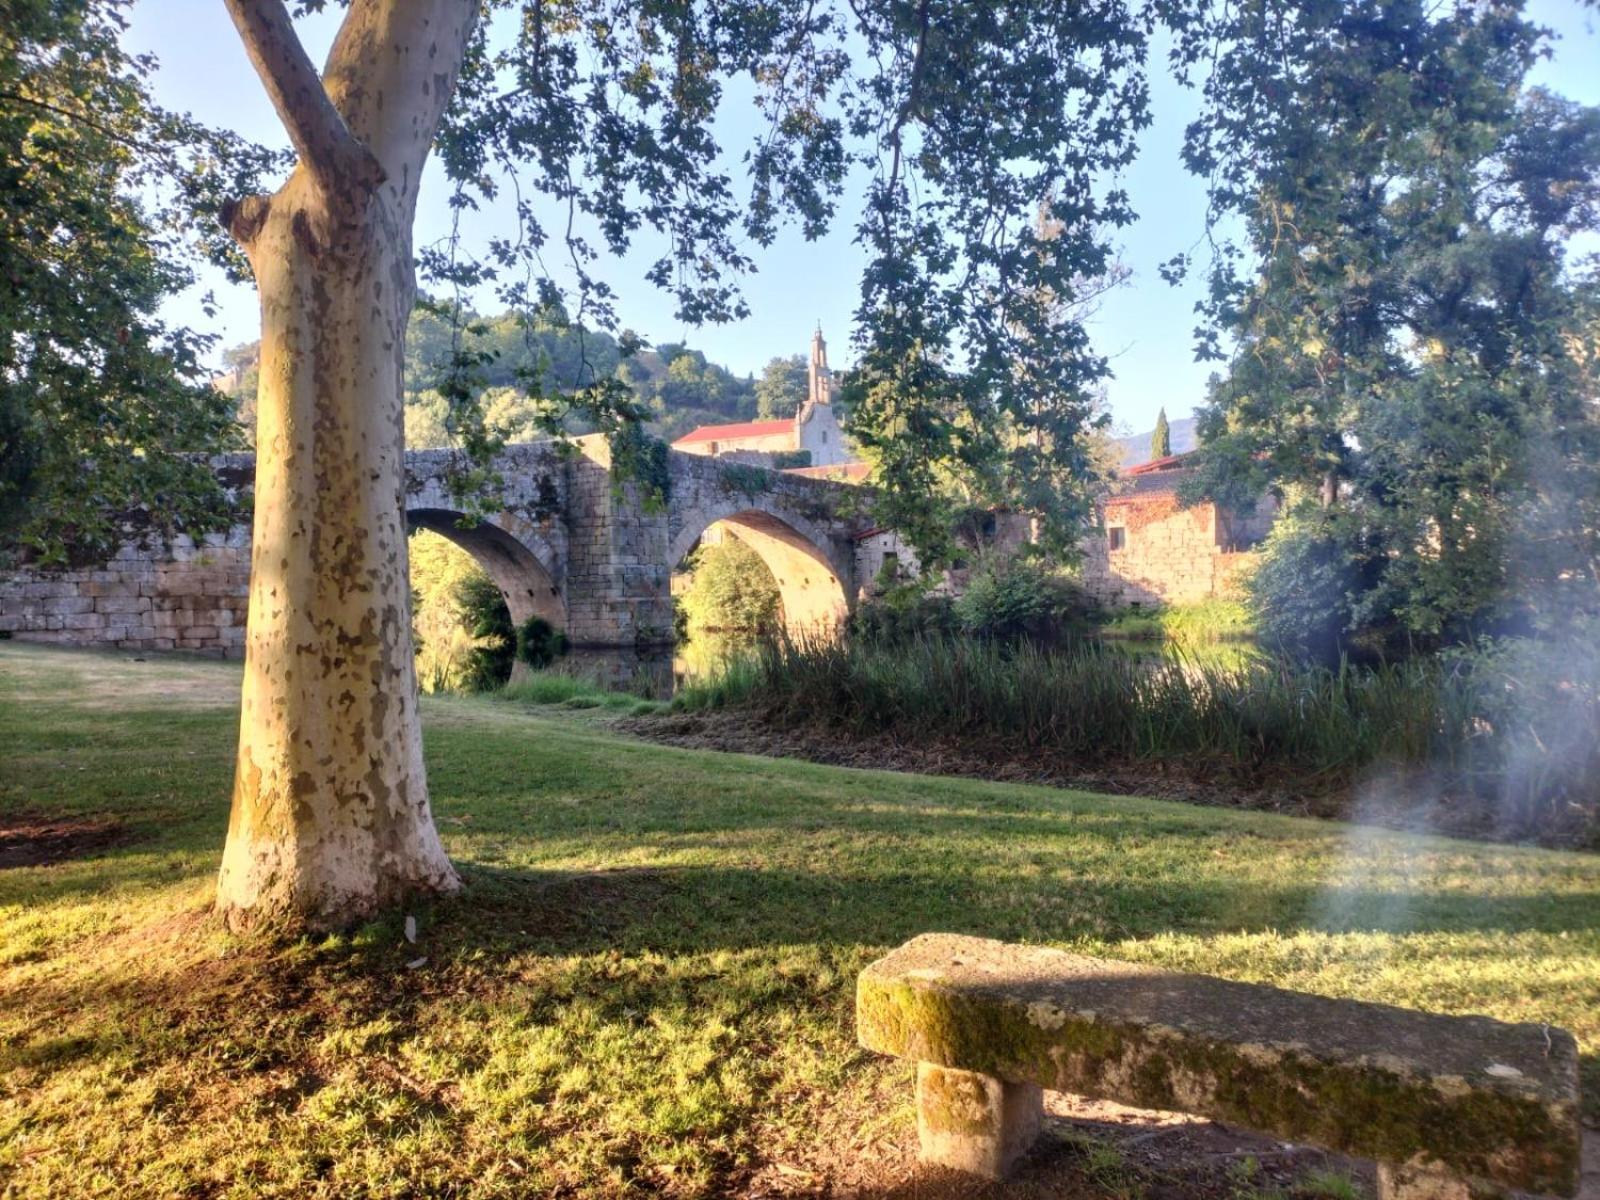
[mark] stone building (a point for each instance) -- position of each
(1146, 551)
(883, 557)
(1149, 550)
(813, 430)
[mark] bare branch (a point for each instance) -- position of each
(333, 155)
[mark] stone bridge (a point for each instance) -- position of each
(564, 543)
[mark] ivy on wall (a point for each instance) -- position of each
(745, 480)
(638, 458)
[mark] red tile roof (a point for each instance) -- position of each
(843, 472)
(743, 429)
(1148, 485)
(1156, 464)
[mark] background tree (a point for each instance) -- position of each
(732, 591)
(102, 404)
(781, 390)
(1161, 438)
(1410, 348)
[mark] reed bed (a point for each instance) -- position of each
(1514, 732)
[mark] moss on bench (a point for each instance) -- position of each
(1466, 1096)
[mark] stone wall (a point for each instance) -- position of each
(149, 597)
(803, 529)
(1170, 555)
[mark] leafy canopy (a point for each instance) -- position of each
(593, 119)
(732, 590)
(1412, 343)
(781, 390)
(101, 402)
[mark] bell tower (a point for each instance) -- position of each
(820, 379)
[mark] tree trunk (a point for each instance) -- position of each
(330, 819)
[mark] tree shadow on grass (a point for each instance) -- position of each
(506, 913)
(771, 954)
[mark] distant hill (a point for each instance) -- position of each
(1136, 447)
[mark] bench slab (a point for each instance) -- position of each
(1466, 1098)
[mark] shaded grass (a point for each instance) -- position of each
(570, 691)
(647, 984)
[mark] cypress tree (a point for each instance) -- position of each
(1161, 439)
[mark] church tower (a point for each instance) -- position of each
(816, 426)
(820, 389)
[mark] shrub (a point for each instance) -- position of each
(540, 643)
(1300, 593)
(1017, 599)
(485, 615)
(903, 612)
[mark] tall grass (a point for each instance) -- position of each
(1517, 737)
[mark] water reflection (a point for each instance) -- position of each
(653, 672)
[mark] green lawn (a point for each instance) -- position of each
(646, 985)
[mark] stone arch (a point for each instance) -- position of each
(810, 581)
(528, 587)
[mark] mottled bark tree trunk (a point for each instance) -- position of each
(330, 819)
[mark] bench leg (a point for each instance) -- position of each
(1409, 1183)
(974, 1123)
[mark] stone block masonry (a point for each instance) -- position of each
(186, 596)
(1154, 551)
(565, 544)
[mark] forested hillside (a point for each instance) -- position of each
(508, 360)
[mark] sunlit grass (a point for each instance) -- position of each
(647, 983)
(1198, 622)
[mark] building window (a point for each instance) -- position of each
(1117, 537)
(824, 437)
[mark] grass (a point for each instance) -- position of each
(647, 984)
(1510, 737)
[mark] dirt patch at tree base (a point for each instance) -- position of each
(1406, 801)
(35, 839)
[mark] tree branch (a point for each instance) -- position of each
(333, 155)
(391, 73)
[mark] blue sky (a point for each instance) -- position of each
(1144, 327)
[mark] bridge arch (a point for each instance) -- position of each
(527, 585)
(803, 560)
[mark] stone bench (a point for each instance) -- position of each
(1449, 1107)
